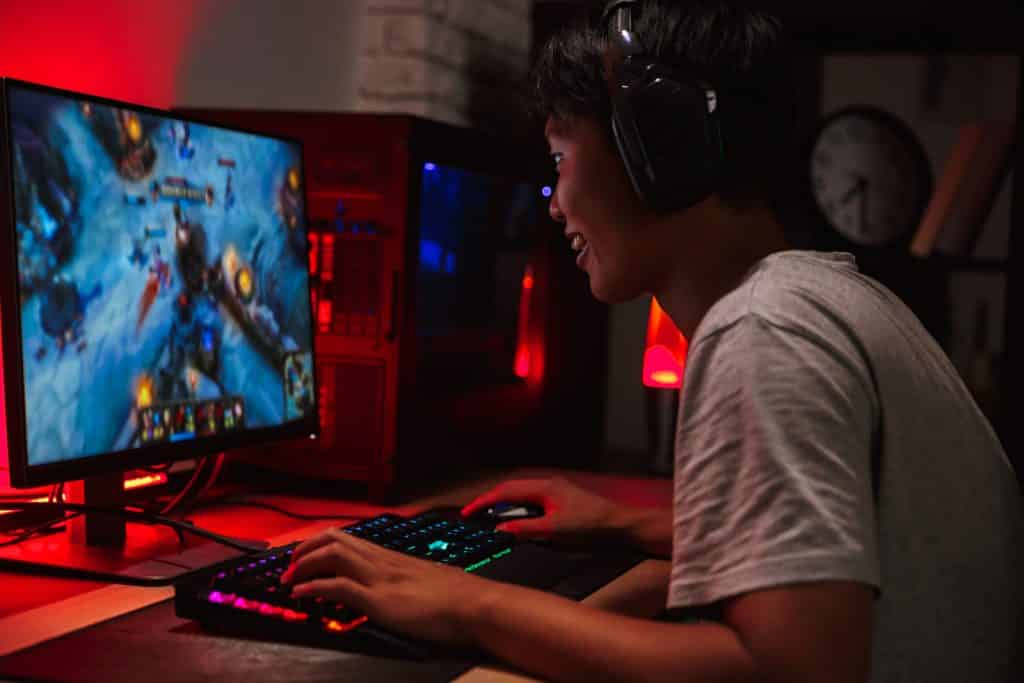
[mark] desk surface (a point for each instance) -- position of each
(35, 609)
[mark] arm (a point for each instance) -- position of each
(649, 529)
(798, 634)
(802, 633)
(573, 514)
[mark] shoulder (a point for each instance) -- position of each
(802, 293)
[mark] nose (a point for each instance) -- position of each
(554, 210)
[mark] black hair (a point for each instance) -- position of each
(742, 52)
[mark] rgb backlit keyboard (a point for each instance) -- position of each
(246, 593)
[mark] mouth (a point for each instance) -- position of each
(577, 242)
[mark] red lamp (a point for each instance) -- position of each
(665, 351)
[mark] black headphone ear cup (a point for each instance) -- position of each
(668, 138)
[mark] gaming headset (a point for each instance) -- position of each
(665, 123)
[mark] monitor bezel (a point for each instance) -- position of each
(22, 473)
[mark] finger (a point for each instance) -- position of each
(312, 543)
(344, 590)
(329, 536)
(524, 490)
(538, 527)
(334, 559)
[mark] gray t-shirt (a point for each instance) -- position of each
(795, 382)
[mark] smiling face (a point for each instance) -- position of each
(603, 218)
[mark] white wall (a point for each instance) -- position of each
(458, 61)
(273, 54)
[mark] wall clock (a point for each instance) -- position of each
(870, 178)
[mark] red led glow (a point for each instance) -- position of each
(325, 313)
(522, 358)
(661, 369)
(665, 352)
(124, 50)
(271, 610)
(327, 258)
(314, 252)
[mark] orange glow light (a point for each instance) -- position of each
(665, 351)
(139, 482)
(40, 499)
(144, 480)
(666, 378)
(134, 127)
(144, 393)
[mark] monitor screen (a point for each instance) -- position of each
(160, 283)
(477, 234)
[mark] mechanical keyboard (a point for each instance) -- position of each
(245, 595)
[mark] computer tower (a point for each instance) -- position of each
(438, 347)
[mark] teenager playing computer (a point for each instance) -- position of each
(842, 510)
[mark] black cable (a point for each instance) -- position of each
(23, 535)
(136, 516)
(187, 489)
(200, 490)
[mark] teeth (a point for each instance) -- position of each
(578, 242)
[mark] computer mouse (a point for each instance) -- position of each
(506, 511)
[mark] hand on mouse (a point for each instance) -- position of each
(571, 513)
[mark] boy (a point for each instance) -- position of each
(842, 510)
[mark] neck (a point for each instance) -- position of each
(718, 246)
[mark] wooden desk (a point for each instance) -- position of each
(34, 609)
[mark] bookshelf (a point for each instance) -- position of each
(966, 298)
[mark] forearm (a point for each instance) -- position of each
(563, 640)
(649, 529)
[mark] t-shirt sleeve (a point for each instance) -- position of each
(773, 466)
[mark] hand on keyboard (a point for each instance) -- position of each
(420, 598)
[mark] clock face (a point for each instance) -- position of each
(869, 176)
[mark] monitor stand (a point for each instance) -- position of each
(97, 546)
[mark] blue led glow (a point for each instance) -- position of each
(546, 190)
(429, 166)
(430, 255)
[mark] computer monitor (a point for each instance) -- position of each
(154, 288)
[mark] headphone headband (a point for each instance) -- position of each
(664, 122)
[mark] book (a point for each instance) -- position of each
(964, 193)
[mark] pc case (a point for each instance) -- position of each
(397, 403)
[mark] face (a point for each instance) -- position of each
(601, 214)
